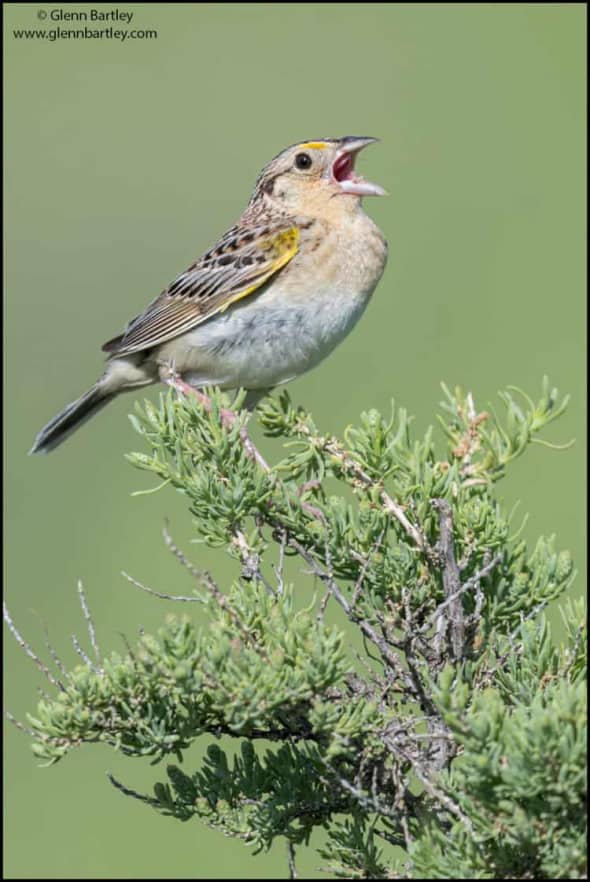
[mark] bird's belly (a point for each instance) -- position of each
(262, 343)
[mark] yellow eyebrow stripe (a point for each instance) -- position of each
(315, 145)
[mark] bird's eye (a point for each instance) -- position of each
(302, 161)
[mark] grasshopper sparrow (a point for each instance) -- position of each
(268, 301)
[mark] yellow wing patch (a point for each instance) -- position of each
(203, 294)
(283, 247)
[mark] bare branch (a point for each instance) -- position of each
(54, 656)
(179, 554)
(228, 418)
(368, 802)
(87, 661)
(280, 568)
(291, 860)
(24, 645)
(20, 726)
(388, 655)
(89, 621)
(472, 582)
(451, 582)
(251, 563)
(350, 465)
(359, 582)
(177, 597)
(439, 795)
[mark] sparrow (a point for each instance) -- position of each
(271, 299)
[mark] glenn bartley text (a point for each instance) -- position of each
(91, 15)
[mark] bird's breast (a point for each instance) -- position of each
(295, 321)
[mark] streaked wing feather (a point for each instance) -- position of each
(237, 266)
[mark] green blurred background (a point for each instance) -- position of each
(124, 161)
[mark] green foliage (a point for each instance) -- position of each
(521, 775)
(259, 666)
(282, 792)
(453, 746)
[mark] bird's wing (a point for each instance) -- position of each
(243, 260)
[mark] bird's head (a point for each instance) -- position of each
(307, 177)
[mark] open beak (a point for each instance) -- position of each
(343, 172)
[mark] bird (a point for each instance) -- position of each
(269, 301)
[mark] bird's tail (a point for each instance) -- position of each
(71, 418)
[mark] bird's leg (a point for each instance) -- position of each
(228, 417)
(175, 381)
